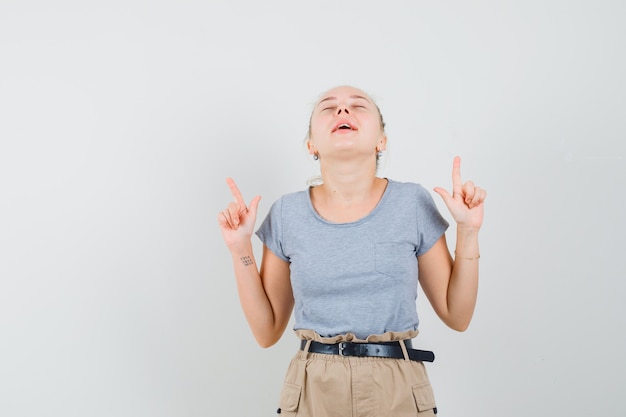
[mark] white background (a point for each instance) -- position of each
(120, 120)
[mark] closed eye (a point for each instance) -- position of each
(359, 103)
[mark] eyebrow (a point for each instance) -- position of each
(335, 98)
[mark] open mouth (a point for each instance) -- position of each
(344, 126)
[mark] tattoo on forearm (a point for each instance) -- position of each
(246, 260)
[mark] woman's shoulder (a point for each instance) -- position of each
(410, 193)
(413, 195)
(296, 195)
(293, 198)
(407, 187)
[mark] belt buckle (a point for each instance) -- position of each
(342, 347)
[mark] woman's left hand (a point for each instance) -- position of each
(466, 202)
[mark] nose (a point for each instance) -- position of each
(342, 109)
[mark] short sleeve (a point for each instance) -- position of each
(430, 223)
(271, 230)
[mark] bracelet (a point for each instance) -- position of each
(467, 259)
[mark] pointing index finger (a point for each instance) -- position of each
(235, 191)
(457, 184)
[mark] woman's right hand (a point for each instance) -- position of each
(237, 221)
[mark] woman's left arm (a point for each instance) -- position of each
(451, 285)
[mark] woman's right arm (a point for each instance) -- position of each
(265, 295)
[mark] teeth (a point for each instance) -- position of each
(344, 125)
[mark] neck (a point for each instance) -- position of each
(349, 182)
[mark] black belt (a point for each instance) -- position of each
(382, 350)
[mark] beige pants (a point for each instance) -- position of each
(321, 385)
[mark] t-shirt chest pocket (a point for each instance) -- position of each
(394, 259)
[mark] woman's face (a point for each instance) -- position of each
(345, 121)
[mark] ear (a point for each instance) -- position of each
(310, 147)
(382, 145)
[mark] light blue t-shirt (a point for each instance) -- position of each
(359, 277)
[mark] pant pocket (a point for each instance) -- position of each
(289, 399)
(424, 397)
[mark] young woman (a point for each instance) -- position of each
(345, 256)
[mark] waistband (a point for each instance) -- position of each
(350, 337)
(381, 349)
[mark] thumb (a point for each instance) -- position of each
(444, 194)
(254, 204)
